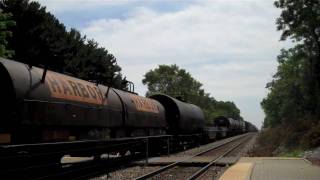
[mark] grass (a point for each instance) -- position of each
(292, 153)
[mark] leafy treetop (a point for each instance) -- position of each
(176, 82)
(5, 23)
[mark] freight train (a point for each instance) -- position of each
(39, 105)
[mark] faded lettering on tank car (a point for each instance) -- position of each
(69, 88)
(144, 104)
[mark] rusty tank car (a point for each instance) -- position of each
(60, 107)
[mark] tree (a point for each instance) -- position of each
(286, 101)
(173, 81)
(300, 21)
(176, 82)
(295, 89)
(40, 39)
(5, 23)
(293, 101)
(226, 108)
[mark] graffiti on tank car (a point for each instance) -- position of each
(144, 104)
(69, 88)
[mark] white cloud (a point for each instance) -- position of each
(79, 5)
(236, 79)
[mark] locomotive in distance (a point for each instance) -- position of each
(64, 108)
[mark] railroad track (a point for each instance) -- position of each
(74, 171)
(43, 160)
(215, 153)
(40, 164)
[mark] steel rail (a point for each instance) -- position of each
(158, 171)
(205, 168)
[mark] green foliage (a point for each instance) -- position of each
(299, 20)
(40, 39)
(176, 82)
(298, 153)
(294, 97)
(284, 102)
(172, 81)
(5, 23)
(226, 108)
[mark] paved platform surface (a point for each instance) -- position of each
(272, 168)
(195, 160)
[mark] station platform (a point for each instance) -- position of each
(272, 168)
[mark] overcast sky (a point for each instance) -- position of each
(230, 46)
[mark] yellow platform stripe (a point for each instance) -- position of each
(239, 171)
